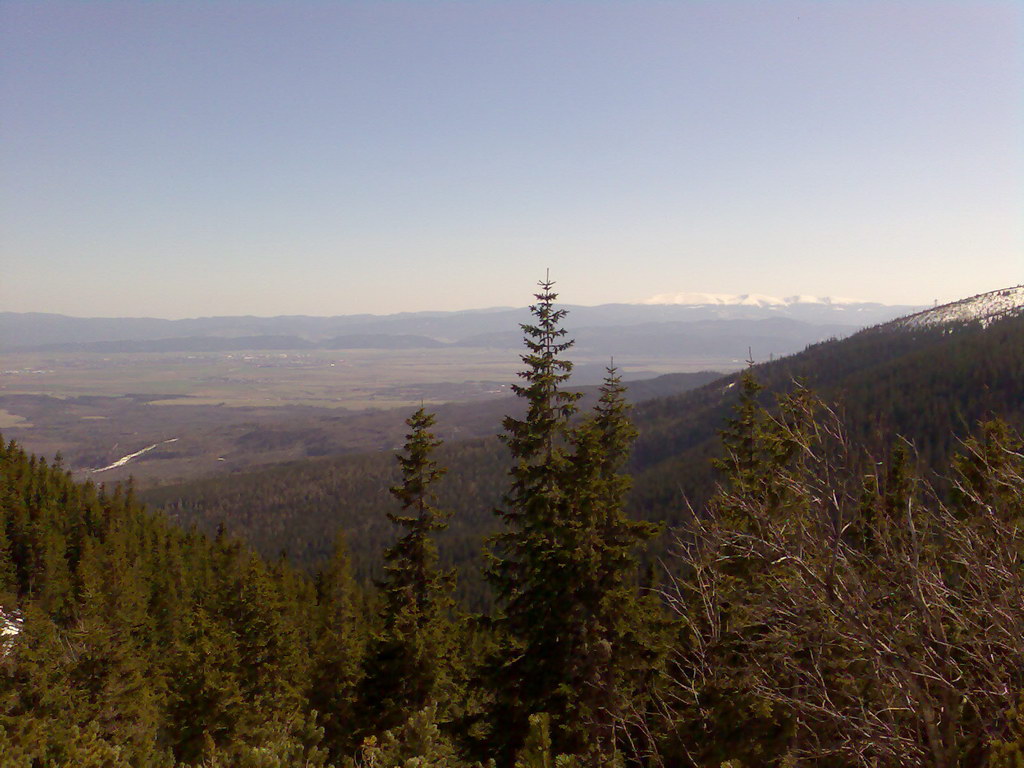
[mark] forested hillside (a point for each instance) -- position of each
(931, 386)
(826, 605)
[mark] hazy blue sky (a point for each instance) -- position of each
(192, 158)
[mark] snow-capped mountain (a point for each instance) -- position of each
(751, 306)
(744, 300)
(983, 308)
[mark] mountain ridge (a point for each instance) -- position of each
(26, 331)
(983, 308)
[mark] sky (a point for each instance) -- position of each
(183, 159)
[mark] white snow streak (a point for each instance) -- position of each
(125, 459)
(10, 627)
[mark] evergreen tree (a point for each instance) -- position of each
(529, 560)
(617, 645)
(418, 742)
(407, 667)
(8, 579)
(758, 448)
(564, 570)
(338, 651)
(204, 703)
(271, 674)
(536, 751)
(727, 593)
(39, 705)
(111, 669)
(985, 475)
(1009, 752)
(739, 437)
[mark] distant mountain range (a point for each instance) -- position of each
(703, 322)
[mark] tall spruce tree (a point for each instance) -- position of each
(407, 668)
(740, 437)
(618, 628)
(338, 648)
(528, 560)
(563, 570)
(204, 704)
(728, 590)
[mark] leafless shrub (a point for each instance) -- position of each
(882, 620)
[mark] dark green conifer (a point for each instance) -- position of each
(530, 561)
(740, 436)
(985, 473)
(111, 670)
(727, 599)
(407, 668)
(338, 651)
(564, 569)
(1008, 752)
(39, 705)
(8, 578)
(617, 647)
(204, 702)
(270, 668)
(758, 450)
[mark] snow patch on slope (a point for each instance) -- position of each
(10, 627)
(984, 308)
(125, 459)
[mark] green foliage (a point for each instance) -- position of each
(338, 651)
(1008, 752)
(726, 594)
(205, 702)
(986, 474)
(409, 664)
(530, 561)
(577, 643)
(619, 646)
(536, 751)
(828, 620)
(417, 743)
(744, 451)
(282, 744)
(110, 669)
(38, 704)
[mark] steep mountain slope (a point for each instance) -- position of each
(983, 308)
(929, 383)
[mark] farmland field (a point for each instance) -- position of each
(232, 410)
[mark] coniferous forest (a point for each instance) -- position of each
(835, 594)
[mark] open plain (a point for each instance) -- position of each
(184, 415)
